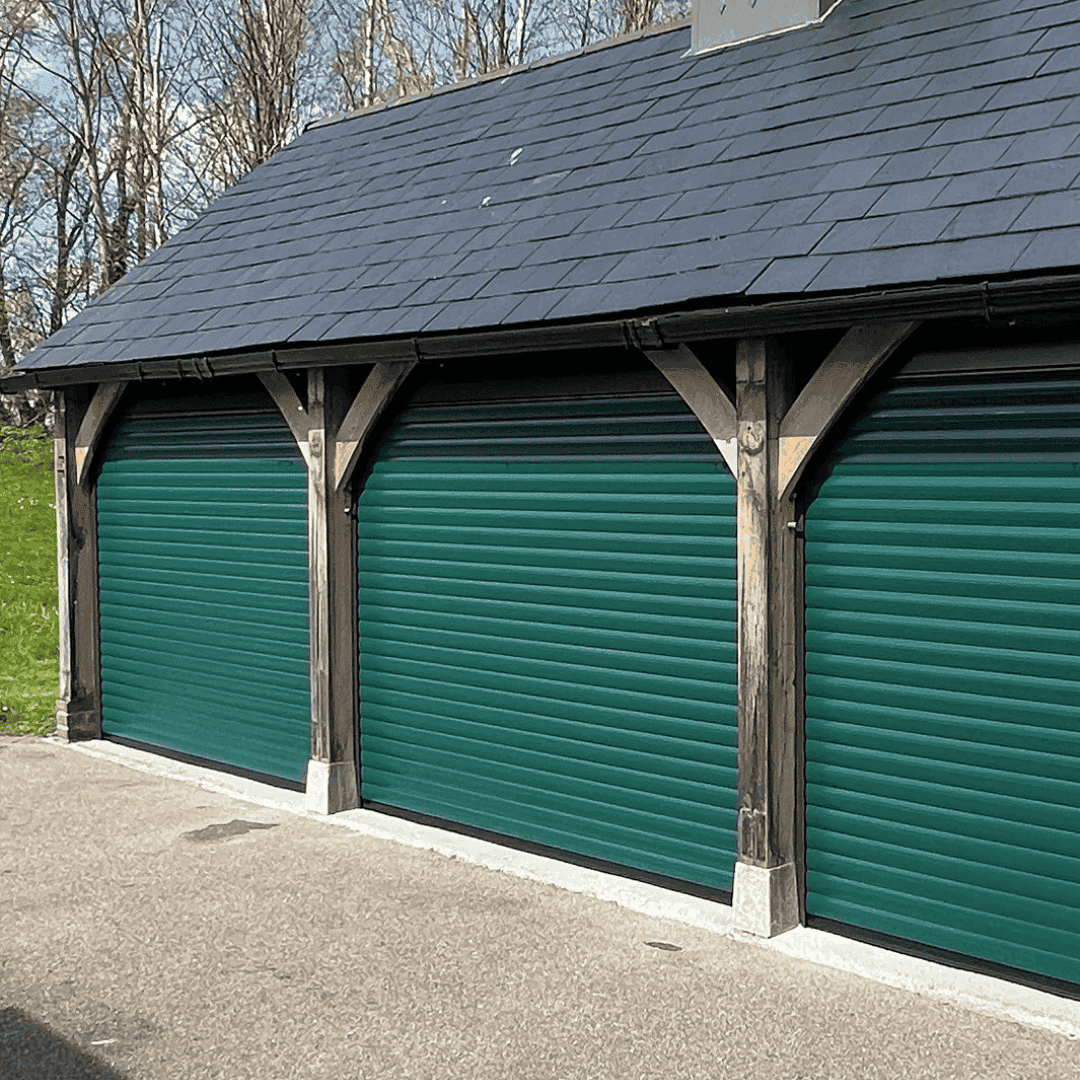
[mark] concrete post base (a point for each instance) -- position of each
(75, 721)
(765, 902)
(330, 787)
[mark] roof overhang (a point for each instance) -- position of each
(992, 300)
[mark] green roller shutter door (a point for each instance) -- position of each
(547, 627)
(943, 671)
(202, 541)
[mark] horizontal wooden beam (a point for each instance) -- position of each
(855, 358)
(704, 396)
(288, 402)
(382, 383)
(102, 405)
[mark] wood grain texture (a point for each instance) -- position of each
(854, 359)
(766, 579)
(102, 405)
(287, 400)
(332, 570)
(78, 707)
(705, 397)
(382, 383)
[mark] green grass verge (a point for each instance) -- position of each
(29, 653)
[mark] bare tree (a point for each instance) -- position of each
(18, 161)
(250, 112)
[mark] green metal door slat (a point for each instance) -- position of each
(943, 670)
(547, 628)
(203, 582)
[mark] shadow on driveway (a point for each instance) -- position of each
(30, 1051)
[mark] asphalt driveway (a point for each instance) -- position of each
(153, 929)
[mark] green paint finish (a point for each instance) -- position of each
(943, 671)
(202, 540)
(547, 628)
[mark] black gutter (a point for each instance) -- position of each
(987, 299)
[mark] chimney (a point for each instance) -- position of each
(717, 23)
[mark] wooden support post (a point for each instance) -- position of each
(765, 893)
(331, 778)
(78, 708)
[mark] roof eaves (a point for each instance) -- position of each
(1002, 298)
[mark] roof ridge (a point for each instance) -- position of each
(501, 73)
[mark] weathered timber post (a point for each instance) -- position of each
(78, 708)
(765, 890)
(330, 433)
(331, 776)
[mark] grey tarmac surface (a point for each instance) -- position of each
(150, 928)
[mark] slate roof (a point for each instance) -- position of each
(900, 141)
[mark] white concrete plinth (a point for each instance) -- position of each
(765, 902)
(330, 787)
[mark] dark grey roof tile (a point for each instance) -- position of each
(688, 204)
(644, 210)
(490, 311)
(902, 140)
(979, 255)
(856, 270)
(917, 227)
(587, 271)
(986, 218)
(109, 351)
(845, 205)
(959, 258)
(850, 174)
(793, 211)
(191, 320)
(523, 280)
(236, 315)
(1050, 211)
(1042, 88)
(1041, 145)
(898, 115)
(535, 307)
(1052, 249)
(1045, 176)
(318, 328)
(974, 187)
(858, 235)
(791, 240)
(910, 165)
(888, 93)
(448, 318)
(1062, 60)
(973, 156)
(1005, 45)
(465, 287)
(544, 228)
(581, 302)
(852, 149)
(604, 217)
(1029, 118)
(1071, 115)
(790, 275)
(915, 195)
